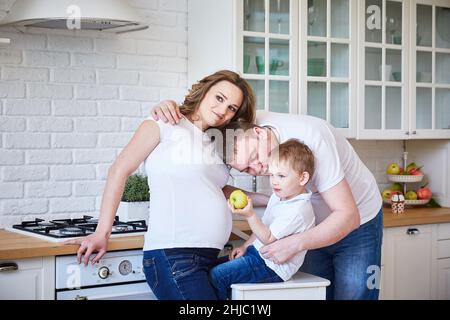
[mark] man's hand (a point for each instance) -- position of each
(167, 111)
(246, 212)
(281, 250)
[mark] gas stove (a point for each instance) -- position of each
(63, 229)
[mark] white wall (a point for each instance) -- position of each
(70, 101)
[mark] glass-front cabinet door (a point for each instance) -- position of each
(267, 51)
(383, 73)
(430, 67)
(327, 72)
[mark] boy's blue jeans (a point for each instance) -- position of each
(180, 273)
(352, 265)
(250, 268)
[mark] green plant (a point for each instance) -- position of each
(136, 189)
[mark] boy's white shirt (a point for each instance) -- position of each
(285, 218)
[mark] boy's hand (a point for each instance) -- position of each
(237, 252)
(246, 212)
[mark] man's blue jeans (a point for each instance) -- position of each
(180, 273)
(352, 265)
(250, 268)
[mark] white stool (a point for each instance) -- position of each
(302, 286)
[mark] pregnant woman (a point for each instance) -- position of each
(189, 220)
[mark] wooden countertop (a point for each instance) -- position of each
(415, 216)
(17, 246)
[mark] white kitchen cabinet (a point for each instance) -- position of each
(328, 68)
(258, 38)
(443, 279)
(383, 73)
(408, 263)
(404, 81)
(267, 41)
(374, 69)
(27, 279)
(430, 69)
(443, 261)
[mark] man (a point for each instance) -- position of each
(345, 246)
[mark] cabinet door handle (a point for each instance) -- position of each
(407, 133)
(414, 132)
(81, 298)
(8, 266)
(412, 231)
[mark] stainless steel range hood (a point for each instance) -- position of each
(102, 15)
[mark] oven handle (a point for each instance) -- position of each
(108, 296)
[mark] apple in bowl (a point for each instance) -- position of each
(424, 193)
(393, 168)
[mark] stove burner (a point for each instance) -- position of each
(120, 228)
(46, 224)
(71, 231)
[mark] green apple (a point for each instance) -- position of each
(411, 195)
(238, 199)
(393, 168)
(386, 194)
(396, 187)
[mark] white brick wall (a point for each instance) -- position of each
(69, 102)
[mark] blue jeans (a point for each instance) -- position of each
(250, 268)
(180, 273)
(352, 265)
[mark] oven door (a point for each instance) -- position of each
(133, 291)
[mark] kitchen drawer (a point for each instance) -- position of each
(443, 249)
(26, 264)
(443, 231)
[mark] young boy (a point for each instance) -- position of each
(289, 211)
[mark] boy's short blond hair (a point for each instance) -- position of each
(296, 154)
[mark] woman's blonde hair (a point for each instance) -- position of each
(247, 110)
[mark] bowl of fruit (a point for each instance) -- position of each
(411, 173)
(418, 197)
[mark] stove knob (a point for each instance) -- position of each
(103, 272)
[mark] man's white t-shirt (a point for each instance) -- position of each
(285, 218)
(335, 159)
(186, 177)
